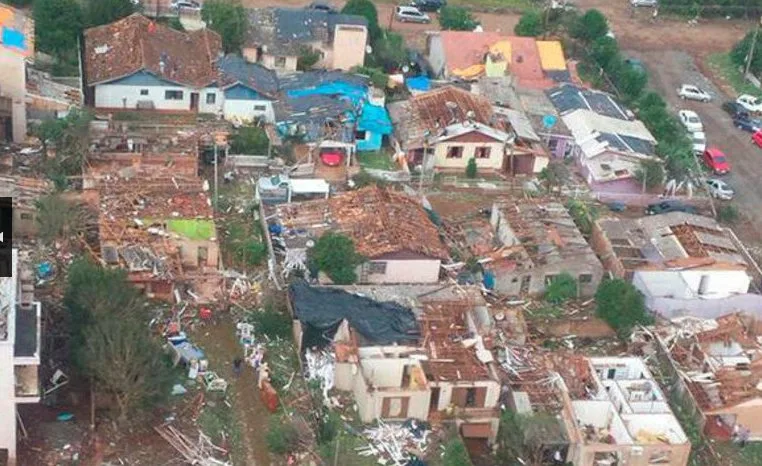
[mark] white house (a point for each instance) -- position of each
(249, 90)
(19, 355)
(136, 63)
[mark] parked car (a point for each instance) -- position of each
(698, 140)
(716, 160)
(185, 5)
(718, 189)
(651, 3)
(667, 206)
(321, 6)
(735, 109)
(750, 103)
(411, 14)
(690, 120)
(428, 5)
(756, 138)
(690, 92)
(331, 158)
(746, 123)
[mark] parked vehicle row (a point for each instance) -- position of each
(411, 14)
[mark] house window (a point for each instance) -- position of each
(549, 279)
(360, 135)
(471, 397)
(211, 98)
(586, 278)
(173, 95)
(203, 255)
(260, 108)
(455, 152)
(280, 62)
(377, 268)
(26, 216)
(482, 152)
(144, 92)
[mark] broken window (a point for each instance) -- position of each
(549, 279)
(470, 397)
(455, 152)
(360, 135)
(211, 98)
(203, 255)
(482, 152)
(585, 278)
(260, 108)
(144, 92)
(280, 62)
(377, 268)
(173, 95)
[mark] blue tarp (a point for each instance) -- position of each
(418, 83)
(353, 92)
(13, 38)
(374, 118)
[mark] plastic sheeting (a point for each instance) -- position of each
(321, 311)
(418, 83)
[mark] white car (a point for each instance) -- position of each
(411, 14)
(698, 141)
(719, 189)
(651, 3)
(750, 103)
(185, 5)
(691, 121)
(690, 92)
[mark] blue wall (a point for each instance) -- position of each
(144, 78)
(241, 92)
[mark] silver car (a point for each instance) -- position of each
(651, 3)
(411, 14)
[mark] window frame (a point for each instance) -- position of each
(171, 94)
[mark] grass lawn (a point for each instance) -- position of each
(723, 67)
(376, 160)
(750, 455)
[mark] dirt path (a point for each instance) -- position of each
(221, 347)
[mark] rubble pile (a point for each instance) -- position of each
(320, 366)
(396, 444)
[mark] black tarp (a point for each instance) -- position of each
(321, 310)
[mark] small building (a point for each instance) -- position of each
(16, 45)
(20, 327)
(249, 90)
(677, 260)
(449, 126)
(402, 363)
(721, 363)
(390, 229)
(137, 63)
(161, 231)
(277, 37)
(281, 188)
(539, 242)
(25, 192)
(610, 150)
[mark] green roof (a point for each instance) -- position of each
(195, 229)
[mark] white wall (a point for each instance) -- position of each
(13, 85)
(128, 96)
(445, 392)
(685, 284)
(494, 162)
(657, 424)
(243, 110)
(626, 368)
(436, 55)
(7, 399)
(406, 271)
(384, 372)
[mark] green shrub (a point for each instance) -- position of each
(270, 322)
(622, 306)
(250, 140)
(651, 172)
(471, 168)
(455, 453)
(335, 255)
(727, 213)
(590, 26)
(282, 436)
(457, 18)
(530, 24)
(561, 288)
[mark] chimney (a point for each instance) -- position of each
(452, 107)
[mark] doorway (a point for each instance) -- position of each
(194, 101)
(434, 402)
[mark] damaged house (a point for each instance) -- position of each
(136, 63)
(390, 229)
(720, 361)
(20, 337)
(446, 127)
(425, 363)
(277, 37)
(679, 261)
(162, 231)
(539, 242)
(16, 45)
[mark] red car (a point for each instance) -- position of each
(332, 159)
(756, 138)
(716, 161)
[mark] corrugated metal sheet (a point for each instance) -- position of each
(551, 55)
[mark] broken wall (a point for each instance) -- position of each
(446, 398)
(401, 271)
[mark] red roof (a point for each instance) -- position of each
(465, 48)
(137, 43)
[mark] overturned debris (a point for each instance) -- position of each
(396, 444)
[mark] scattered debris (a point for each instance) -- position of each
(395, 444)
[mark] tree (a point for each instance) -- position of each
(250, 140)
(377, 76)
(740, 53)
(456, 18)
(57, 25)
(367, 9)
(650, 173)
(59, 219)
(522, 439)
(630, 81)
(605, 50)
(529, 25)
(471, 168)
(555, 175)
(228, 18)
(98, 12)
(70, 137)
(561, 288)
(727, 213)
(590, 26)
(335, 255)
(175, 23)
(389, 52)
(19, 3)
(622, 305)
(456, 453)
(307, 58)
(584, 215)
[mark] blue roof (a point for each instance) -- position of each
(418, 83)
(375, 119)
(252, 75)
(303, 25)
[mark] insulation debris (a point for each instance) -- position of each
(395, 444)
(320, 366)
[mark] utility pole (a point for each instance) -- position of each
(751, 50)
(216, 199)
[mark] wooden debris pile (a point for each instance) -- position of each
(395, 444)
(199, 453)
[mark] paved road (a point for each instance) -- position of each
(667, 71)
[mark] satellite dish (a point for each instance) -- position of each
(405, 69)
(549, 121)
(368, 49)
(310, 244)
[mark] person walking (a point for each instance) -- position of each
(237, 364)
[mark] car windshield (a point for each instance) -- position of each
(697, 138)
(719, 159)
(694, 119)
